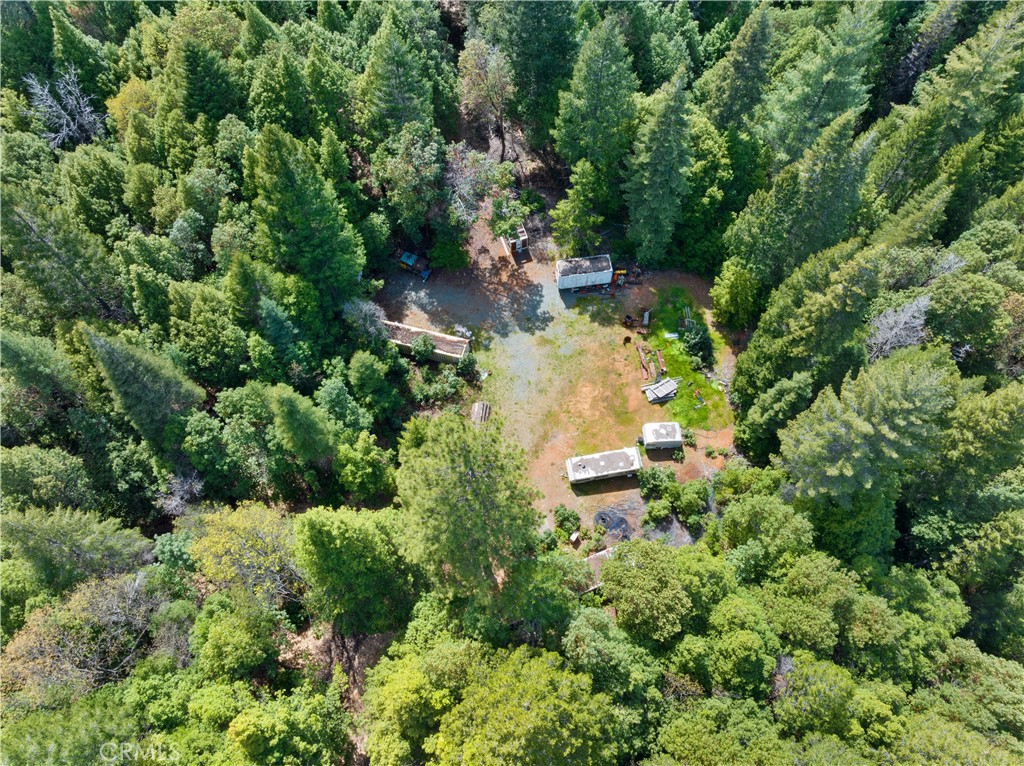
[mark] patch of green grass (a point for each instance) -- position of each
(665, 317)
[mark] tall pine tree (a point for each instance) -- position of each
(146, 388)
(597, 115)
(729, 91)
(825, 83)
(658, 172)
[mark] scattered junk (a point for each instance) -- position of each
(574, 538)
(687, 322)
(661, 362)
(616, 526)
(629, 321)
(603, 465)
(580, 273)
(463, 332)
(643, 362)
(479, 413)
(671, 336)
(661, 391)
(647, 318)
(447, 348)
(518, 245)
(662, 436)
(415, 264)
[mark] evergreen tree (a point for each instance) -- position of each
(330, 16)
(823, 84)
(468, 511)
(575, 220)
(66, 265)
(279, 94)
(731, 89)
(850, 453)
(356, 574)
(706, 214)
(597, 114)
(974, 86)
(73, 49)
(541, 48)
(658, 172)
(392, 91)
(299, 225)
(37, 363)
(206, 84)
(257, 31)
(329, 83)
(757, 436)
(146, 388)
(806, 210)
(814, 322)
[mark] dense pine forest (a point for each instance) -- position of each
(239, 526)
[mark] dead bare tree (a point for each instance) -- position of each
(69, 116)
(365, 315)
(898, 328)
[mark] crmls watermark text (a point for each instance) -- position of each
(133, 752)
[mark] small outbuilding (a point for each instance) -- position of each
(603, 465)
(662, 436)
(574, 273)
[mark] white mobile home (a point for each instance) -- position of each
(603, 465)
(662, 436)
(572, 273)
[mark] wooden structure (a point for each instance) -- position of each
(447, 348)
(603, 465)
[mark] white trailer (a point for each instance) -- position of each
(603, 465)
(662, 436)
(573, 273)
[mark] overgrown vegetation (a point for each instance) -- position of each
(225, 492)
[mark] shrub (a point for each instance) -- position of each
(689, 438)
(438, 388)
(655, 482)
(710, 452)
(449, 251)
(467, 368)
(657, 512)
(422, 349)
(697, 342)
(679, 456)
(566, 519)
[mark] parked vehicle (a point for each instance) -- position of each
(415, 264)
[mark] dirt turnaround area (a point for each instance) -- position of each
(563, 374)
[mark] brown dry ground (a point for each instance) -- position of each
(560, 376)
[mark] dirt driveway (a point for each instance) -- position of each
(559, 373)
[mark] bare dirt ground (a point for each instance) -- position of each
(560, 375)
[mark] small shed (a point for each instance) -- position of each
(662, 436)
(662, 391)
(603, 465)
(572, 273)
(447, 348)
(518, 244)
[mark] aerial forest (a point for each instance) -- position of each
(241, 527)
